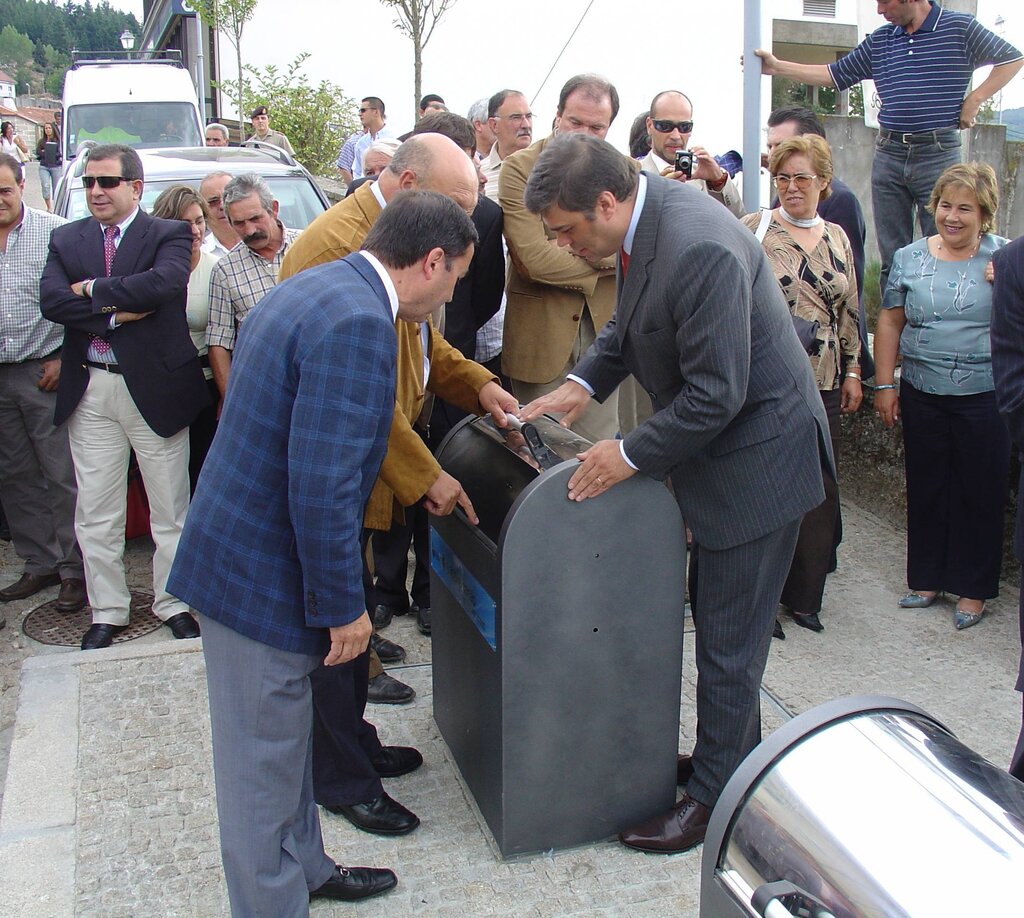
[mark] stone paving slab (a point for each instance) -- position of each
(127, 730)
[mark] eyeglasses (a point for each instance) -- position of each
(104, 181)
(802, 180)
(517, 118)
(664, 126)
(368, 108)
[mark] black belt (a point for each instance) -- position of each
(921, 137)
(109, 367)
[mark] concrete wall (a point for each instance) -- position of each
(853, 148)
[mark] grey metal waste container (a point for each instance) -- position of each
(557, 639)
(865, 807)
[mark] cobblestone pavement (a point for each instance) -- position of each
(138, 826)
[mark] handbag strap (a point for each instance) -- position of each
(762, 227)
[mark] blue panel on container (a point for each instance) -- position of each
(474, 599)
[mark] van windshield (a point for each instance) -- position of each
(153, 124)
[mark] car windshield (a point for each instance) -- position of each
(155, 124)
(299, 203)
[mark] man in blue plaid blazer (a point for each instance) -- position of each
(270, 552)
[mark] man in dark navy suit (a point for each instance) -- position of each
(271, 552)
(130, 380)
(1008, 373)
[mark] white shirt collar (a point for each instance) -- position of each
(385, 279)
(638, 206)
(123, 225)
(378, 194)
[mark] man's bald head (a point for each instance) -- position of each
(432, 162)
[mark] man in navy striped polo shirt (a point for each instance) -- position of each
(922, 62)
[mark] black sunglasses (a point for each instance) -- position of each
(104, 181)
(664, 126)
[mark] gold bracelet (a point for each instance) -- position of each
(852, 375)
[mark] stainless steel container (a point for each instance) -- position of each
(865, 806)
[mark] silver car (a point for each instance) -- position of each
(297, 193)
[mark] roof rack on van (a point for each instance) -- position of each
(283, 155)
(170, 56)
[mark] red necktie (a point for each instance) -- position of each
(624, 258)
(110, 234)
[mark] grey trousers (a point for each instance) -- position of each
(261, 714)
(738, 593)
(37, 476)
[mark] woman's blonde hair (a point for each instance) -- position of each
(174, 201)
(815, 148)
(978, 178)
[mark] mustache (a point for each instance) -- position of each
(258, 236)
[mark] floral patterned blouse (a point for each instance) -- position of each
(948, 304)
(818, 286)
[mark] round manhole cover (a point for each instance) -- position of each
(66, 629)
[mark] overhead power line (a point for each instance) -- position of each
(560, 53)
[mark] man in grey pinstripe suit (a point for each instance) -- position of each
(738, 423)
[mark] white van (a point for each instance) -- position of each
(143, 102)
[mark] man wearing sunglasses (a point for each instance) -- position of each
(669, 126)
(371, 117)
(130, 380)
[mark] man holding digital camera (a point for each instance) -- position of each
(669, 125)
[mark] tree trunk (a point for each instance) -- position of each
(417, 71)
(241, 94)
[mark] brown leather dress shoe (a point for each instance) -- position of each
(680, 829)
(72, 596)
(28, 585)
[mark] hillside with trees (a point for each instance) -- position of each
(38, 36)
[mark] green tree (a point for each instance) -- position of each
(316, 119)
(229, 18)
(417, 19)
(15, 49)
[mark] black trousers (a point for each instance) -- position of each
(343, 741)
(815, 546)
(391, 559)
(957, 458)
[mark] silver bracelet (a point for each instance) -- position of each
(889, 386)
(852, 375)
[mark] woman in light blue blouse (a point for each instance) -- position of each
(936, 312)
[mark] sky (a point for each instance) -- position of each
(480, 47)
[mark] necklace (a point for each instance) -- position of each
(803, 222)
(939, 247)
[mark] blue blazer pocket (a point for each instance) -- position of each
(754, 429)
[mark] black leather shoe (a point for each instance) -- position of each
(388, 651)
(28, 585)
(808, 620)
(383, 614)
(382, 816)
(383, 689)
(395, 761)
(423, 619)
(183, 626)
(72, 596)
(681, 828)
(778, 632)
(351, 883)
(684, 770)
(99, 636)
